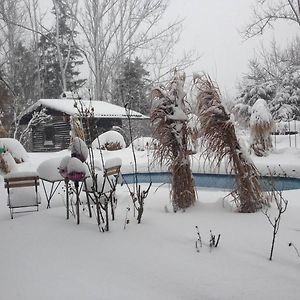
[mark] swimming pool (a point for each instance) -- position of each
(219, 181)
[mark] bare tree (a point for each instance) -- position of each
(38, 118)
(266, 12)
(281, 205)
(10, 35)
(114, 30)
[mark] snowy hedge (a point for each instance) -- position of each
(110, 140)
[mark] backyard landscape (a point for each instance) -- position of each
(43, 255)
(149, 149)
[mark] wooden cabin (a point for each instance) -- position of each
(54, 134)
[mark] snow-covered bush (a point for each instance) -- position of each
(76, 169)
(15, 148)
(62, 168)
(219, 141)
(79, 149)
(170, 124)
(110, 140)
(145, 143)
(7, 163)
(261, 126)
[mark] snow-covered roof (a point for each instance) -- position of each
(101, 109)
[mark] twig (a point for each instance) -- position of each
(297, 251)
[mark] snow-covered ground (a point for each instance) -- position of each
(44, 256)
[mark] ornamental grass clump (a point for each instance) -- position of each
(261, 126)
(169, 122)
(220, 142)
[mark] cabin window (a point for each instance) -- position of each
(49, 132)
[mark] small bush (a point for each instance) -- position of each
(110, 140)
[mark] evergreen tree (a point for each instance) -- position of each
(286, 103)
(131, 86)
(71, 58)
(276, 79)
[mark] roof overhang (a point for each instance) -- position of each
(101, 109)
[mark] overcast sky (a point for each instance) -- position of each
(212, 28)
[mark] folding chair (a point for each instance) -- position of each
(22, 191)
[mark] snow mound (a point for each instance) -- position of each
(15, 148)
(145, 143)
(260, 113)
(76, 169)
(79, 149)
(113, 162)
(75, 166)
(50, 169)
(110, 140)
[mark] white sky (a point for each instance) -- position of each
(212, 28)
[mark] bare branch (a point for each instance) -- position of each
(266, 13)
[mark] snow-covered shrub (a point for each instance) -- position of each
(76, 169)
(62, 168)
(109, 140)
(79, 149)
(170, 124)
(261, 126)
(76, 127)
(219, 141)
(7, 163)
(145, 143)
(15, 148)
(193, 126)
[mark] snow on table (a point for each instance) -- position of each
(49, 169)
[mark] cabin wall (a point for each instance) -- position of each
(55, 134)
(52, 136)
(139, 127)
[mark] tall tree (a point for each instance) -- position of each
(131, 86)
(60, 57)
(274, 77)
(18, 68)
(266, 12)
(114, 30)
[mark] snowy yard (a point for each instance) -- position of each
(44, 256)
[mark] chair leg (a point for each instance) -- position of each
(112, 208)
(88, 199)
(106, 217)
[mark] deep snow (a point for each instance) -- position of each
(44, 256)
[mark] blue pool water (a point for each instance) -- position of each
(219, 181)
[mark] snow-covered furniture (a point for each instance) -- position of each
(48, 172)
(22, 191)
(101, 188)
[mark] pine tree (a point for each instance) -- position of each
(286, 103)
(131, 86)
(52, 83)
(275, 77)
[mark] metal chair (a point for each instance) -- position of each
(100, 188)
(22, 191)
